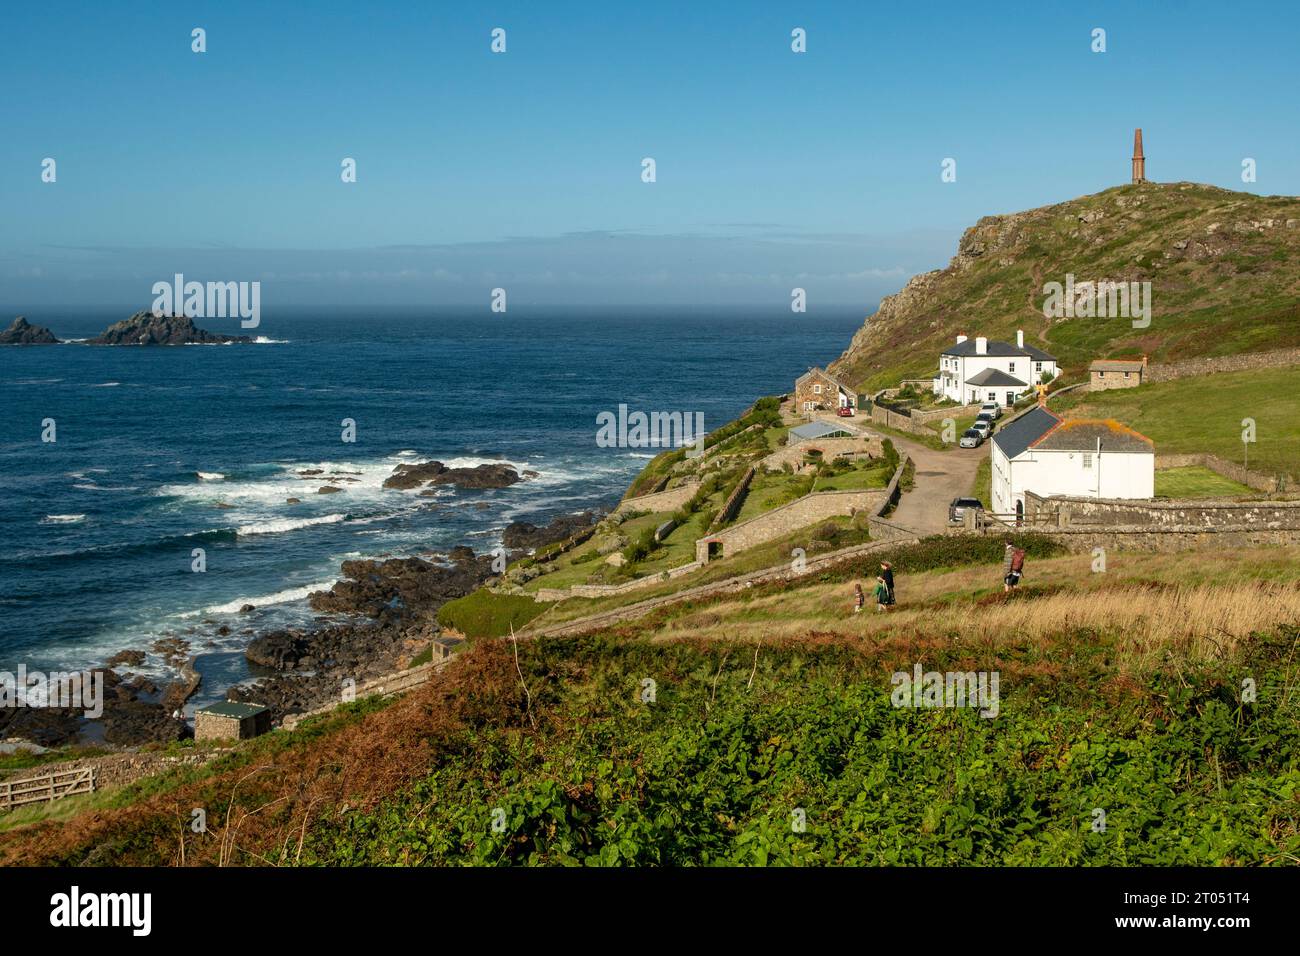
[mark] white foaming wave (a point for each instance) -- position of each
(210, 476)
(63, 519)
(267, 340)
(279, 597)
(106, 385)
(85, 486)
(281, 525)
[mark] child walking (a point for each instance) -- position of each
(859, 598)
(882, 595)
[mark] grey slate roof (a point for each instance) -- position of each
(999, 350)
(814, 430)
(1014, 437)
(992, 376)
(229, 708)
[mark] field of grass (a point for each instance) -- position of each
(1205, 414)
(1195, 481)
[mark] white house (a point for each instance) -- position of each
(1047, 455)
(978, 370)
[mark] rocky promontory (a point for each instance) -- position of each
(22, 332)
(145, 328)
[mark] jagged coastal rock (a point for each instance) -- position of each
(433, 473)
(526, 535)
(22, 332)
(145, 328)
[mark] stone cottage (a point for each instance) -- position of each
(819, 390)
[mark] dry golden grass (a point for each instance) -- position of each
(1148, 604)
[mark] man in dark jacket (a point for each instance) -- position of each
(887, 572)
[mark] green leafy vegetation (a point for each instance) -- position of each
(741, 741)
(487, 613)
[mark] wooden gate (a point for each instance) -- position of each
(46, 787)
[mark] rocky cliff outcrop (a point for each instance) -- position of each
(145, 328)
(1221, 267)
(22, 332)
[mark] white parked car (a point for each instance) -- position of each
(992, 408)
(971, 438)
(983, 426)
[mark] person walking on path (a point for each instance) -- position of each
(1013, 565)
(887, 573)
(859, 599)
(882, 595)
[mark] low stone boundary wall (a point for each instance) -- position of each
(734, 500)
(1171, 540)
(117, 770)
(831, 448)
(1208, 514)
(1269, 484)
(668, 500)
(385, 686)
(811, 508)
(605, 590)
(1276, 358)
(782, 572)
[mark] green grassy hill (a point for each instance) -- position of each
(1224, 269)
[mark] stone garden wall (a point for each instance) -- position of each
(788, 518)
(1277, 358)
(668, 500)
(1209, 514)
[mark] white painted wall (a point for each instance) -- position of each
(955, 370)
(1047, 473)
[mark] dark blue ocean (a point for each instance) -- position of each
(163, 450)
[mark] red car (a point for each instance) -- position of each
(845, 412)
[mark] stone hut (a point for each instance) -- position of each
(229, 720)
(444, 648)
(1105, 374)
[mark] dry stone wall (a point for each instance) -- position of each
(1277, 358)
(781, 521)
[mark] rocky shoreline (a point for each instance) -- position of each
(379, 616)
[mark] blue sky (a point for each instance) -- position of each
(522, 170)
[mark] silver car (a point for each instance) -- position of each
(971, 438)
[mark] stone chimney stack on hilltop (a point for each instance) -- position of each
(1139, 161)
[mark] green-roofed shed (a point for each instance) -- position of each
(230, 720)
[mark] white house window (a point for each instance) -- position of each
(1087, 459)
(817, 389)
(1126, 374)
(1012, 367)
(1038, 366)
